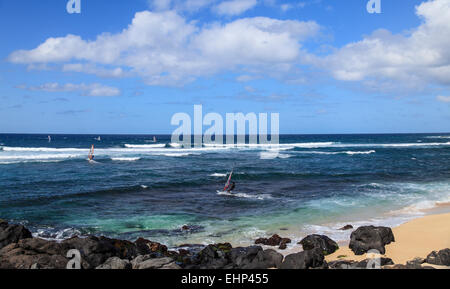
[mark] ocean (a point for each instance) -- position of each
(138, 188)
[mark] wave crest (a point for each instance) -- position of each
(131, 159)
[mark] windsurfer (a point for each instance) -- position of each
(231, 188)
(91, 154)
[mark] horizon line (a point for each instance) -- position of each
(167, 134)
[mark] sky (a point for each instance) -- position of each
(126, 67)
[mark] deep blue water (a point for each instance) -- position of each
(139, 188)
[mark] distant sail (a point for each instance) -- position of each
(91, 153)
(227, 185)
(49, 138)
(99, 139)
(154, 138)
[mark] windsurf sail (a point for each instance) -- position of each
(154, 138)
(91, 153)
(227, 185)
(49, 138)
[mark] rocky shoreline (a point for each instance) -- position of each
(20, 250)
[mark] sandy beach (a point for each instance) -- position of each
(416, 238)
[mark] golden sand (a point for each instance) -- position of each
(416, 238)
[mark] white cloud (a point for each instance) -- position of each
(250, 89)
(246, 78)
(255, 40)
(179, 5)
(94, 89)
(442, 98)
(193, 5)
(165, 49)
(285, 7)
(92, 69)
(288, 6)
(160, 5)
(235, 7)
(417, 58)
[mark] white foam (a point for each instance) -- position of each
(439, 137)
(372, 145)
(178, 154)
(131, 151)
(116, 154)
(58, 235)
(337, 153)
(245, 196)
(150, 146)
(273, 155)
(40, 149)
(284, 156)
(39, 157)
(395, 145)
(175, 145)
(420, 207)
(332, 229)
(284, 146)
(375, 185)
(126, 159)
(361, 153)
(218, 175)
(268, 155)
(29, 161)
(392, 204)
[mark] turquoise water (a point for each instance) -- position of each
(143, 189)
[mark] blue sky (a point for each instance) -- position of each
(128, 66)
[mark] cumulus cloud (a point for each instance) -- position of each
(160, 5)
(442, 98)
(94, 89)
(255, 40)
(419, 57)
(93, 69)
(235, 7)
(165, 49)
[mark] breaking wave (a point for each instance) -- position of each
(126, 159)
(145, 146)
(246, 196)
(218, 175)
